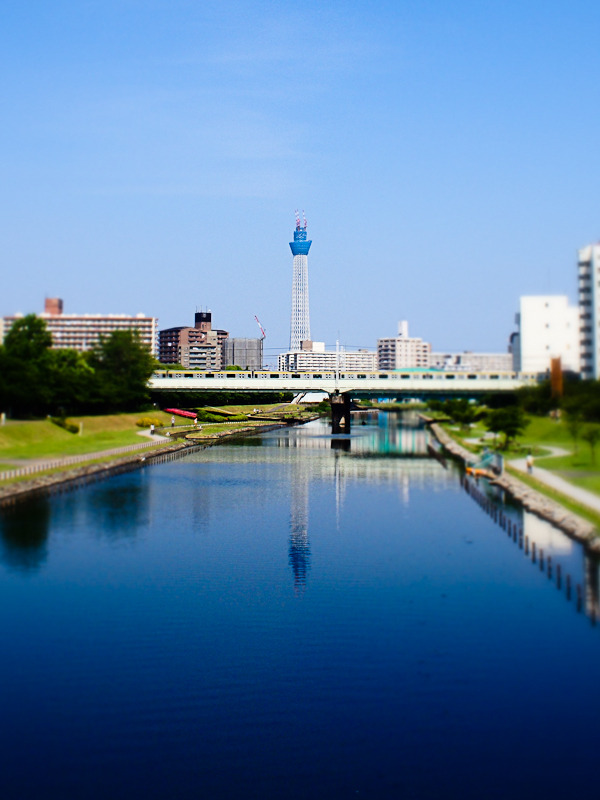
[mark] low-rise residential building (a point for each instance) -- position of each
(84, 331)
(312, 357)
(469, 361)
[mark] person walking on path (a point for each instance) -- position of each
(529, 462)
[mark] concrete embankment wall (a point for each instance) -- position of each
(572, 524)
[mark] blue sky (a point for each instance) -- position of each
(153, 154)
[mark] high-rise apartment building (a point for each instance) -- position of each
(588, 265)
(548, 328)
(199, 347)
(83, 331)
(403, 351)
(300, 321)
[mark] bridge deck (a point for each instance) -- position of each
(374, 384)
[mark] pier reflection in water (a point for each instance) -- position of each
(295, 615)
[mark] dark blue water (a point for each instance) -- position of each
(294, 617)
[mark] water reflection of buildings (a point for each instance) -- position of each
(565, 562)
(371, 454)
(364, 457)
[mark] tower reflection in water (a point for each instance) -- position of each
(299, 556)
(356, 457)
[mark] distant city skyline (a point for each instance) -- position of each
(155, 152)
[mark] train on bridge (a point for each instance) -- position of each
(342, 385)
(437, 375)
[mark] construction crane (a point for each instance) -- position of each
(262, 330)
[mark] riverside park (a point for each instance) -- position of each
(204, 596)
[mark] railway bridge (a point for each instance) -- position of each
(343, 386)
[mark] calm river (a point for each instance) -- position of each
(295, 616)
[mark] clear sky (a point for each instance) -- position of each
(153, 153)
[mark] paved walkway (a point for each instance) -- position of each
(548, 478)
(39, 465)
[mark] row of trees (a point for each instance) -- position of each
(509, 421)
(580, 399)
(36, 380)
(506, 415)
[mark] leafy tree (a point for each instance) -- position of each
(462, 412)
(574, 425)
(28, 339)
(510, 421)
(591, 434)
(24, 367)
(69, 382)
(435, 405)
(122, 366)
(536, 399)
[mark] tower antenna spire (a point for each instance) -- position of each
(297, 213)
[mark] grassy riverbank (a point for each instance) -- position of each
(541, 435)
(576, 463)
(27, 441)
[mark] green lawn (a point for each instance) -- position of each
(209, 429)
(43, 439)
(541, 433)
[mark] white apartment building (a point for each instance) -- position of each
(314, 358)
(588, 266)
(548, 327)
(403, 351)
(83, 331)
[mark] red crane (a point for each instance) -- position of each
(262, 330)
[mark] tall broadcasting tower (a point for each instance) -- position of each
(300, 324)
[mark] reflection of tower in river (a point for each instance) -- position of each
(299, 554)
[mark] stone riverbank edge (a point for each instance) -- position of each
(69, 479)
(573, 525)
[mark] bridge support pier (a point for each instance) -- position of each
(340, 412)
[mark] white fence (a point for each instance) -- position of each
(43, 466)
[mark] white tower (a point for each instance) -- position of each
(300, 322)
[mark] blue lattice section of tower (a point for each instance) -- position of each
(300, 246)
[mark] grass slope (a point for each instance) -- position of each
(43, 439)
